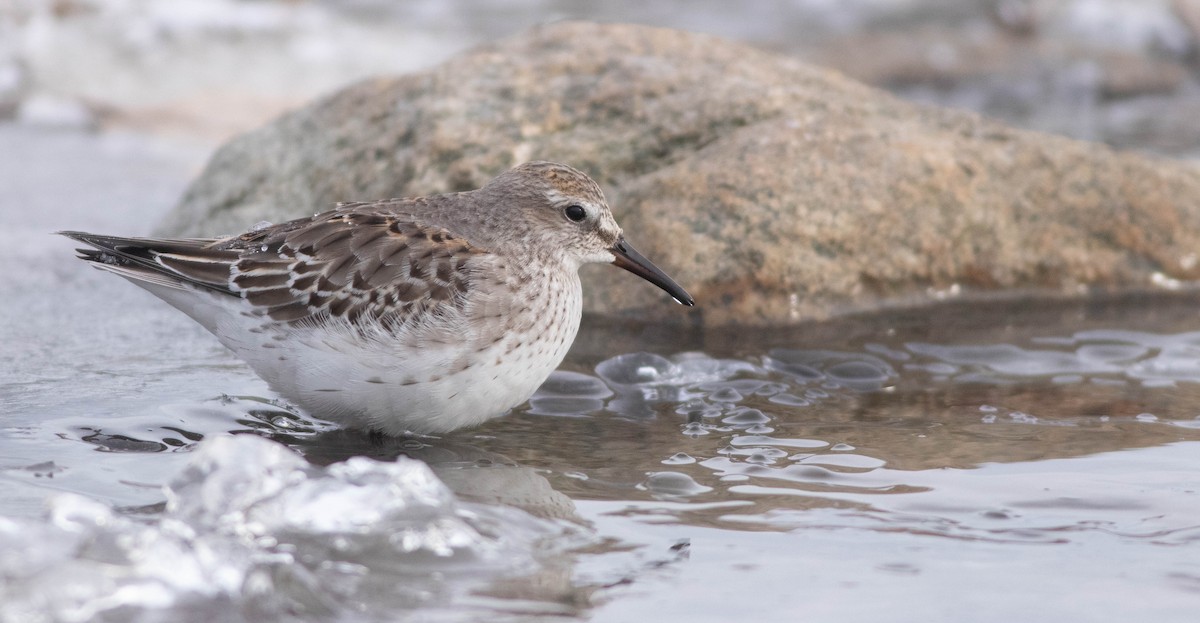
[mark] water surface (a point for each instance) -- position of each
(983, 462)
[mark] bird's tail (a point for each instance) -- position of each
(172, 262)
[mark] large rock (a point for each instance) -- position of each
(775, 191)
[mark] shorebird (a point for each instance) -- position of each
(419, 315)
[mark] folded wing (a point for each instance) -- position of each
(353, 263)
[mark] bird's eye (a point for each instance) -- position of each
(575, 213)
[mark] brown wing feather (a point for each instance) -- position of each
(351, 263)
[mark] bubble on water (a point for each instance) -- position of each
(679, 458)
(763, 440)
(842, 447)
(760, 429)
(727, 394)
(632, 406)
(988, 409)
(763, 455)
(1111, 352)
(846, 461)
(673, 484)
(770, 389)
(744, 386)
(987, 378)
(744, 416)
(564, 406)
(938, 369)
(634, 369)
(641, 379)
(885, 351)
(569, 394)
(261, 225)
(760, 459)
(860, 375)
(644, 370)
(802, 372)
(696, 367)
(790, 400)
(859, 371)
(574, 385)
(1012, 360)
(1146, 417)
(696, 409)
(694, 429)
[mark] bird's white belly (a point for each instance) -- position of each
(411, 397)
(338, 376)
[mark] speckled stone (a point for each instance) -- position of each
(775, 191)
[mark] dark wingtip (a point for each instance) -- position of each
(73, 235)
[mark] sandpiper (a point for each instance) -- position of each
(415, 315)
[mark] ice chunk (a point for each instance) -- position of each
(251, 530)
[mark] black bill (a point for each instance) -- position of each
(628, 258)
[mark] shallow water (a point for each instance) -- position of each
(1016, 461)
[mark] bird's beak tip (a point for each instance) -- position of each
(625, 256)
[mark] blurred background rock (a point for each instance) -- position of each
(1123, 72)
